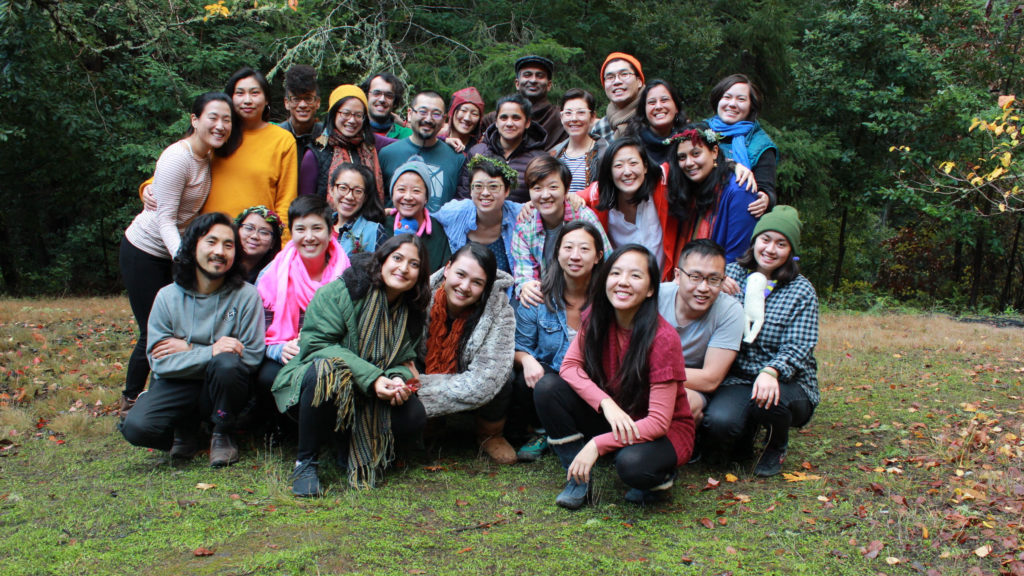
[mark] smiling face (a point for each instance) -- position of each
(348, 194)
(400, 270)
(628, 283)
(548, 196)
(771, 250)
(464, 282)
(302, 107)
(256, 235)
(512, 123)
(734, 105)
(249, 100)
(697, 162)
(628, 170)
(488, 193)
(382, 99)
(349, 118)
(576, 117)
(697, 298)
(661, 110)
(533, 82)
(467, 118)
(311, 235)
(215, 252)
(409, 195)
(426, 116)
(621, 84)
(577, 255)
(213, 126)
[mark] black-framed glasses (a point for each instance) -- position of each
(381, 93)
(344, 189)
(697, 278)
(426, 112)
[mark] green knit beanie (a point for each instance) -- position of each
(782, 219)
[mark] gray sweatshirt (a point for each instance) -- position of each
(201, 320)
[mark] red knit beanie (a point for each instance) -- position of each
(623, 56)
(470, 95)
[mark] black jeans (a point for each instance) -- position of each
(731, 418)
(567, 418)
(523, 411)
(144, 275)
(316, 423)
(178, 404)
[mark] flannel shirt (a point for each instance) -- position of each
(528, 243)
(787, 339)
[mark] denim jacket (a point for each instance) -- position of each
(543, 334)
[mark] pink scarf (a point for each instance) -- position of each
(286, 288)
(425, 226)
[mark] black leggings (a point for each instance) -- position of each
(731, 418)
(565, 415)
(144, 275)
(316, 423)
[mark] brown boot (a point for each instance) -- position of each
(223, 451)
(493, 443)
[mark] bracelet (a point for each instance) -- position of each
(770, 371)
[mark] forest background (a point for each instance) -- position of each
(897, 134)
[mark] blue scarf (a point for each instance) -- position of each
(738, 132)
(382, 128)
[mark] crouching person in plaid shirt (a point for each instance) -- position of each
(774, 380)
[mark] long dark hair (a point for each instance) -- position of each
(235, 138)
(640, 121)
(723, 86)
(184, 269)
(552, 284)
(634, 385)
(276, 231)
(783, 275)
(686, 197)
(372, 209)
(485, 258)
(247, 72)
(417, 299)
(607, 192)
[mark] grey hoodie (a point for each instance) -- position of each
(201, 320)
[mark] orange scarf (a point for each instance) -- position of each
(442, 340)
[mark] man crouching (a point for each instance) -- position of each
(206, 336)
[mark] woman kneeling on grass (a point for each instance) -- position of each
(352, 371)
(774, 380)
(622, 385)
(469, 345)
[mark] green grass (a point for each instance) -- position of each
(916, 445)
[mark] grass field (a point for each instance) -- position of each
(911, 465)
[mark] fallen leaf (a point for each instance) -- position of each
(712, 484)
(205, 486)
(799, 477)
(433, 468)
(461, 503)
(464, 550)
(983, 551)
(730, 550)
(872, 549)
(707, 523)
(686, 560)
(202, 552)
(892, 560)
(730, 478)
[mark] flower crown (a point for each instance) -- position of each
(508, 173)
(266, 213)
(693, 135)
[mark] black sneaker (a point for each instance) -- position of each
(305, 482)
(771, 462)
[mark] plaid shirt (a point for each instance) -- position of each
(787, 339)
(528, 243)
(602, 129)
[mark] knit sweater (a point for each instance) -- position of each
(487, 356)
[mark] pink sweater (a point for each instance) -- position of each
(668, 411)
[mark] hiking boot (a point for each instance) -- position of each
(223, 451)
(771, 462)
(574, 495)
(305, 482)
(184, 447)
(493, 443)
(534, 449)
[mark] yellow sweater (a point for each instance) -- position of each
(264, 170)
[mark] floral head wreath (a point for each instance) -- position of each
(266, 213)
(707, 135)
(508, 173)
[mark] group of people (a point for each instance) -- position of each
(555, 275)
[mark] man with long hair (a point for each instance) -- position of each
(206, 337)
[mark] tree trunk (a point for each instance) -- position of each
(1005, 297)
(977, 262)
(838, 274)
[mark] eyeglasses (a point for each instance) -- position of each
(263, 233)
(623, 75)
(426, 112)
(570, 114)
(344, 189)
(346, 115)
(307, 99)
(697, 279)
(493, 187)
(380, 93)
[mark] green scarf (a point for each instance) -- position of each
(367, 418)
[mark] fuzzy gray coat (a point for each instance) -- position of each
(488, 356)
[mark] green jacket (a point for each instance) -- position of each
(331, 330)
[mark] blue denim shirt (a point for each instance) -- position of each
(543, 334)
(459, 219)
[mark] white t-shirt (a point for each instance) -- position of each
(646, 231)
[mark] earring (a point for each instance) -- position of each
(715, 165)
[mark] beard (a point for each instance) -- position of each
(386, 119)
(215, 275)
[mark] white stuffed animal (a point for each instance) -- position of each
(753, 306)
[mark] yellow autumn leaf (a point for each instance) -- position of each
(947, 167)
(1006, 100)
(205, 486)
(977, 181)
(730, 478)
(997, 129)
(974, 124)
(1006, 159)
(999, 171)
(799, 477)
(983, 551)
(1002, 207)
